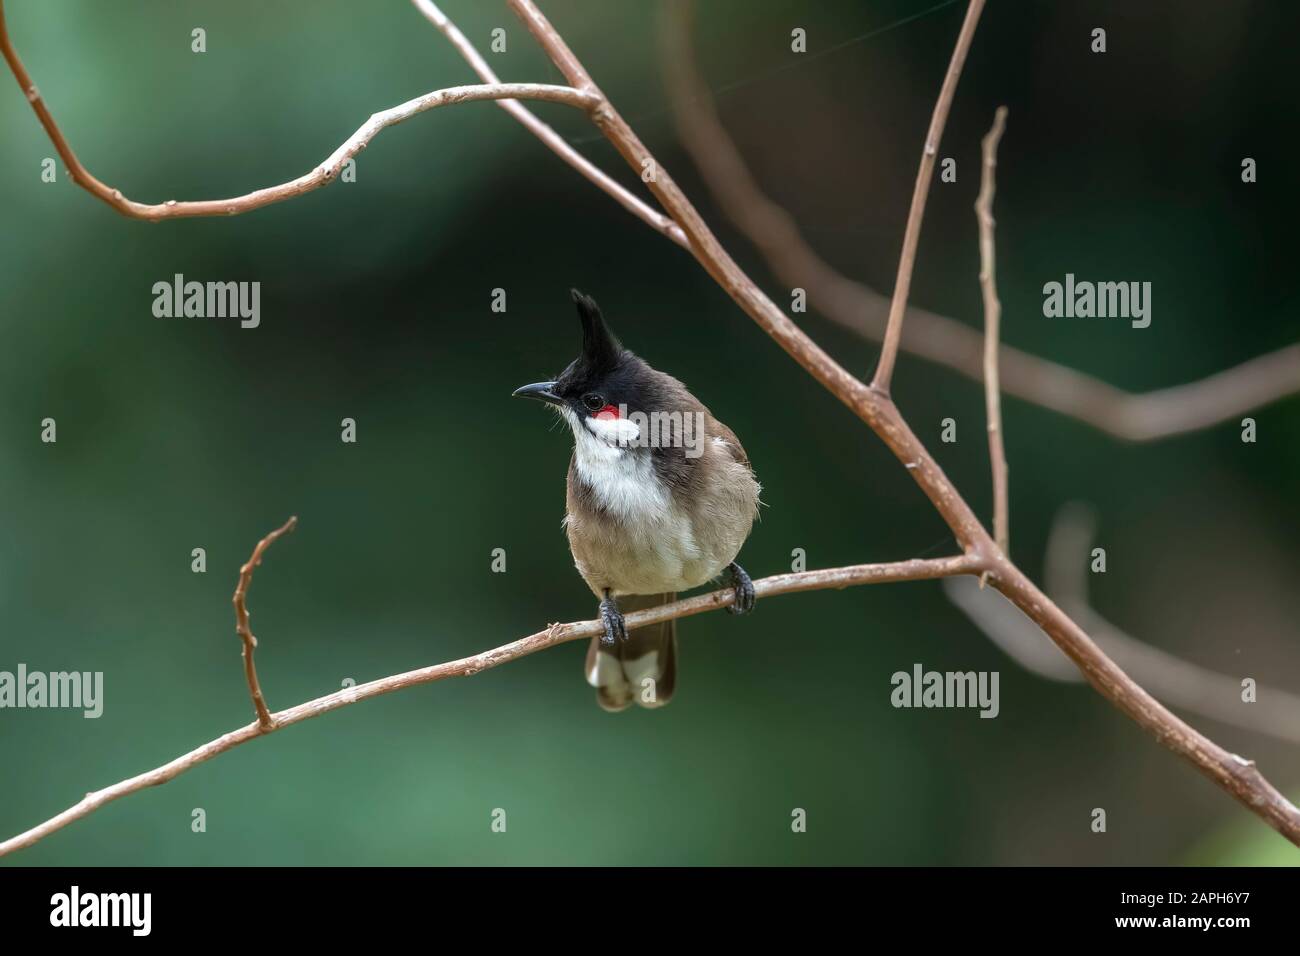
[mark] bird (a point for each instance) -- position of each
(660, 498)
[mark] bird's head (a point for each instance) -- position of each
(606, 390)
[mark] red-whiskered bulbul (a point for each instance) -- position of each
(660, 499)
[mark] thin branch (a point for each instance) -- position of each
(240, 600)
(556, 143)
(1176, 681)
(322, 175)
(1235, 775)
(556, 634)
(924, 173)
(937, 338)
(992, 330)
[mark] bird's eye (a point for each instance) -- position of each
(593, 402)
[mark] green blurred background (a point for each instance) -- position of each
(183, 433)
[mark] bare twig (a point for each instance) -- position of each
(322, 175)
(937, 338)
(552, 636)
(992, 330)
(553, 140)
(1177, 682)
(1236, 776)
(240, 600)
(920, 191)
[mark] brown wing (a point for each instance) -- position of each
(715, 427)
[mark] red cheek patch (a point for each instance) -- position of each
(607, 414)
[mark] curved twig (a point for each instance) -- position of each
(322, 175)
(240, 600)
(556, 634)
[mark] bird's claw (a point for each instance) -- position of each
(612, 618)
(744, 587)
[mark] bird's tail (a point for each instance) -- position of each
(642, 669)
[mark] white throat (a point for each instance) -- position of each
(620, 474)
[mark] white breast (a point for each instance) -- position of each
(654, 550)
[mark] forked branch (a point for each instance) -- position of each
(553, 140)
(1237, 776)
(936, 338)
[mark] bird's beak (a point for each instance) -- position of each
(543, 391)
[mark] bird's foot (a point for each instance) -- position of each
(612, 618)
(744, 587)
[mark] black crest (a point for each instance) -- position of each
(600, 350)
